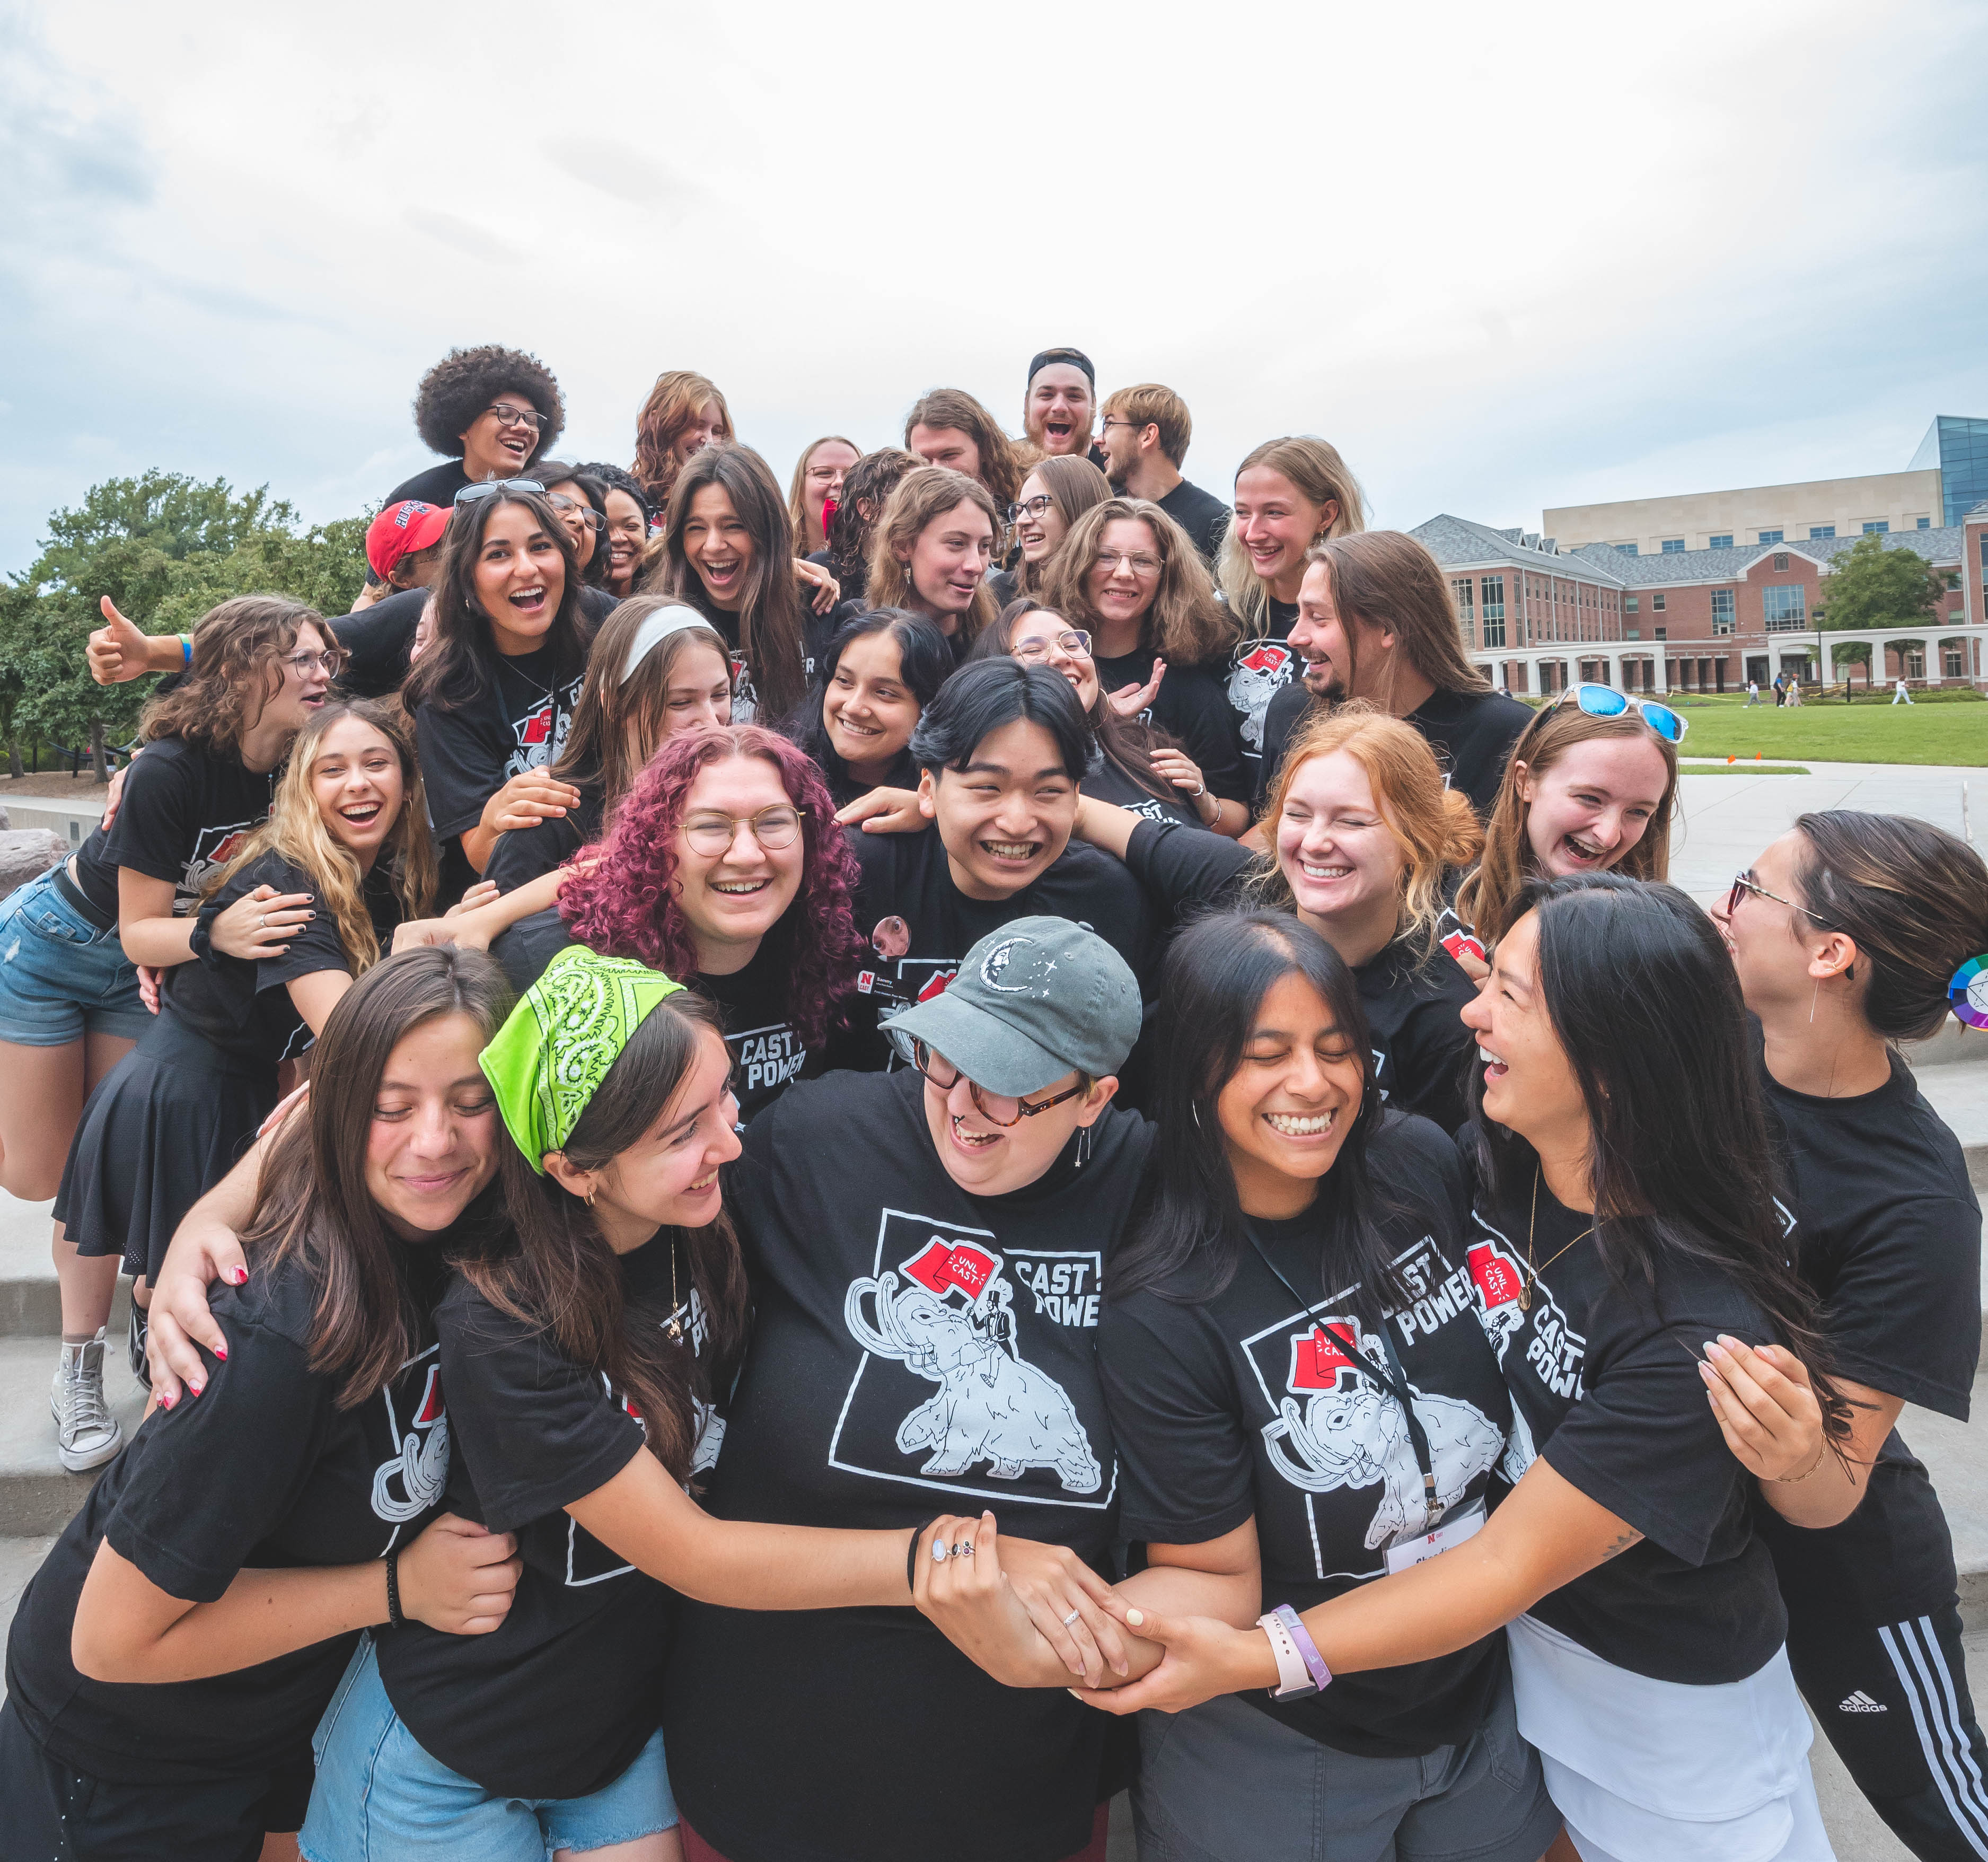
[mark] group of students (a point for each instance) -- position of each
(941, 1179)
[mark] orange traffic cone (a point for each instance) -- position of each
(1733, 759)
(1757, 756)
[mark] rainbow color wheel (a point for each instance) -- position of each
(1969, 992)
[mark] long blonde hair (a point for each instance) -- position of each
(1186, 626)
(296, 831)
(797, 488)
(1322, 478)
(672, 405)
(1487, 900)
(920, 498)
(1435, 827)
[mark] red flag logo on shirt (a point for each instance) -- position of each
(430, 1410)
(537, 729)
(221, 854)
(936, 986)
(1497, 1278)
(942, 1265)
(1463, 944)
(1319, 1356)
(1268, 657)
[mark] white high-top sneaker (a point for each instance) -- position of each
(86, 1434)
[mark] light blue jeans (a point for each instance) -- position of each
(380, 1798)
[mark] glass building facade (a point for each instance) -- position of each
(1959, 447)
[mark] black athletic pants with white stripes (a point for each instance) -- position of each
(1894, 1702)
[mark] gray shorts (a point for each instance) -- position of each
(1224, 1783)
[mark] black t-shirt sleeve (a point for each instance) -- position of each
(537, 1430)
(462, 763)
(158, 820)
(1185, 866)
(1903, 1313)
(380, 639)
(1288, 704)
(525, 853)
(1205, 723)
(1185, 1466)
(315, 947)
(1644, 1442)
(219, 1475)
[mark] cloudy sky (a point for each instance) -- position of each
(1504, 257)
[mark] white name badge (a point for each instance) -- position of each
(1453, 1531)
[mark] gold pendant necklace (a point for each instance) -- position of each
(674, 1328)
(1532, 1273)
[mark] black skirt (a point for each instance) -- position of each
(163, 1127)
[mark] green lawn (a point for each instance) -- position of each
(1837, 733)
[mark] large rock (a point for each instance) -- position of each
(26, 854)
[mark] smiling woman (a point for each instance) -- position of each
(491, 411)
(348, 832)
(932, 549)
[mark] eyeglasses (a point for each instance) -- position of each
(1741, 885)
(1073, 641)
(585, 513)
(1031, 507)
(490, 488)
(1140, 564)
(333, 660)
(508, 416)
(1606, 702)
(772, 828)
(995, 1108)
(1104, 421)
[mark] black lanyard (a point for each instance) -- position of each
(1394, 1381)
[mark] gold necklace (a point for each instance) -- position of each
(1533, 1273)
(674, 1328)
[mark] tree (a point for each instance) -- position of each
(165, 548)
(1869, 586)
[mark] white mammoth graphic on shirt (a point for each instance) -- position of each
(1252, 686)
(421, 1469)
(991, 1405)
(1354, 1437)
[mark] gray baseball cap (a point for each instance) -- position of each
(1031, 1001)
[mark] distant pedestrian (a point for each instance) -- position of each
(1753, 692)
(1899, 694)
(1780, 689)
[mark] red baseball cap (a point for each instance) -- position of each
(401, 529)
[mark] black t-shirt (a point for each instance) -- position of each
(906, 878)
(1412, 1002)
(844, 788)
(186, 810)
(767, 1054)
(1888, 1232)
(1192, 708)
(1604, 1383)
(437, 485)
(557, 1701)
(243, 1008)
(380, 638)
(526, 853)
(264, 1471)
(1109, 783)
(1201, 514)
(915, 1350)
(1472, 734)
(1243, 1406)
(518, 722)
(1259, 667)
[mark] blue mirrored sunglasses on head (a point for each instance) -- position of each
(1606, 702)
(470, 493)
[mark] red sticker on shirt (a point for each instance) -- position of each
(1497, 1278)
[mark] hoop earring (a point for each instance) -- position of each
(1196, 1111)
(591, 1195)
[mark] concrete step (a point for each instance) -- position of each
(37, 1495)
(30, 1297)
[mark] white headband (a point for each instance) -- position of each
(656, 627)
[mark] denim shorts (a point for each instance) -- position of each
(379, 1797)
(61, 976)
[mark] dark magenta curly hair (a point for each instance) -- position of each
(626, 906)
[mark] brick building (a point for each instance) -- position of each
(1538, 618)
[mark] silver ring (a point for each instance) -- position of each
(1071, 1618)
(964, 1549)
(940, 1552)
(263, 923)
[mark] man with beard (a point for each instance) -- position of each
(1144, 432)
(1375, 622)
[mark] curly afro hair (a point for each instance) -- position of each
(463, 383)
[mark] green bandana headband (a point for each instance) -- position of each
(567, 1030)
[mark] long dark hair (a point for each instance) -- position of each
(1186, 1237)
(769, 612)
(558, 1270)
(924, 664)
(865, 491)
(1680, 1166)
(311, 1204)
(460, 666)
(1124, 742)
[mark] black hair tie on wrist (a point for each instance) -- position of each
(394, 1619)
(911, 1554)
